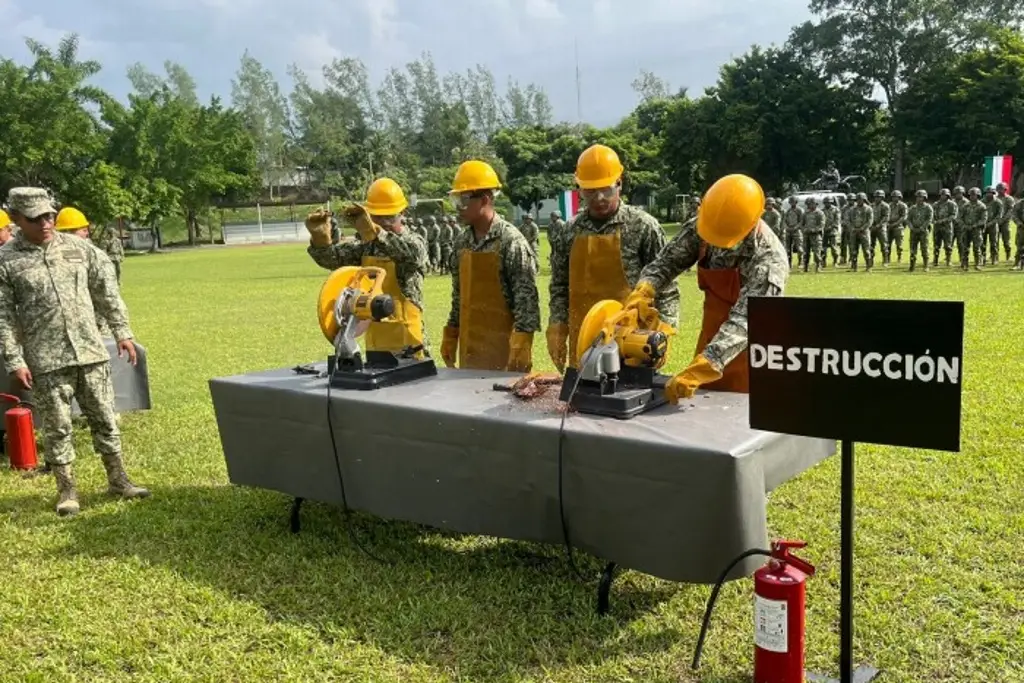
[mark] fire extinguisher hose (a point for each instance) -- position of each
(714, 596)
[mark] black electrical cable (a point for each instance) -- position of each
(714, 597)
(347, 511)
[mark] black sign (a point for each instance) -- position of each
(869, 371)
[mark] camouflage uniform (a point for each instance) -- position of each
(763, 265)
(517, 272)
(793, 220)
(1018, 218)
(946, 212)
(974, 216)
(845, 232)
(532, 234)
(50, 294)
(959, 229)
(897, 224)
(641, 238)
(880, 209)
(920, 217)
(447, 237)
(336, 231)
(407, 250)
(1009, 203)
(433, 233)
(110, 242)
(994, 214)
(833, 229)
(862, 217)
(813, 229)
(772, 218)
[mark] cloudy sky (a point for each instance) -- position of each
(683, 41)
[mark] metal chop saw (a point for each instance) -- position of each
(351, 299)
(620, 352)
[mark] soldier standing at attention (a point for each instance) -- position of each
(975, 216)
(844, 233)
(833, 227)
(433, 243)
(1008, 202)
(793, 220)
(447, 234)
(959, 229)
(897, 224)
(920, 218)
(532, 234)
(495, 307)
(1018, 218)
(878, 228)
(601, 254)
(52, 286)
(555, 226)
(772, 218)
(994, 214)
(862, 217)
(945, 212)
(813, 229)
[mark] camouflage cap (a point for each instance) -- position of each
(879, 194)
(828, 199)
(921, 193)
(896, 194)
(974, 191)
(30, 202)
(959, 188)
(944, 192)
(1001, 186)
(990, 190)
(862, 195)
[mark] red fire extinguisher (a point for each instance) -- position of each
(20, 434)
(779, 615)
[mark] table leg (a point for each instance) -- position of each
(296, 522)
(605, 587)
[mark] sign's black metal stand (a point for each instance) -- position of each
(847, 674)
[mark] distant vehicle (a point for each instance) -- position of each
(818, 195)
(848, 183)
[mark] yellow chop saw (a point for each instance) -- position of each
(350, 301)
(620, 352)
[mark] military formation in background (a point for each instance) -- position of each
(970, 225)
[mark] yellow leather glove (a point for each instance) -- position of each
(365, 226)
(683, 385)
(643, 292)
(558, 336)
(520, 352)
(450, 346)
(318, 224)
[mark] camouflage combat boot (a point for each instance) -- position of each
(67, 502)
(117, 478)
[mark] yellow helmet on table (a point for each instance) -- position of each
(598, 166)
(475, 175)
(69, 219)
(385, 198)
(730, 209)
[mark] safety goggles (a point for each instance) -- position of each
(461, 200)
(597, 193)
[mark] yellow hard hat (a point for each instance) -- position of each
(5, 220)
(475, 175)
(385, 198)
(731, 208)
(598, 166)
(71, 218)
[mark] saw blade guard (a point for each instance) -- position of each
(601, 320)
(339, 294)
(337, 282)
(617, 325)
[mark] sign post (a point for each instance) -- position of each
(826, 367)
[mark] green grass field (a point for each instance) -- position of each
(204, 581)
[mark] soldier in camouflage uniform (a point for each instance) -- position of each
(52, 286)
(920, 218)
(862, 217)
(898, 210)
(878, 229)
(1018, 218)
(532, 234)
(555, 226)
(793, 221)
(974, 216)
(813, 230)
(495, 309)
(772, 217)
(994, 214)
(833, 229)
(844, 233)
(945, 212)
(447, 236)
(1008, 203)
(433, 243)
(960, 199)
(110, 242)
(335, 231)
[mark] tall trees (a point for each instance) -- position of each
(257, 96)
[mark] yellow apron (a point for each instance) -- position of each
(595, 274)
(485, 323)
(405, 326)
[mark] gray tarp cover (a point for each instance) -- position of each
(131, 384)
(677, 492)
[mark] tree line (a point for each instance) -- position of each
(888, 89)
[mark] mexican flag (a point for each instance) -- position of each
(998, 170)
(569, 203)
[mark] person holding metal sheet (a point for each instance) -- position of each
(383, 242)
(495, 308)
(600, 254)
(737, 256)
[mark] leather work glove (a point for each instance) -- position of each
(683, 385)
(450, 346)
(318, 224)
(558, 336)
(642, 293)
(365, 226)
(520, 352)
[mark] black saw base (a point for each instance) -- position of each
(632, 392)
(381, 369)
